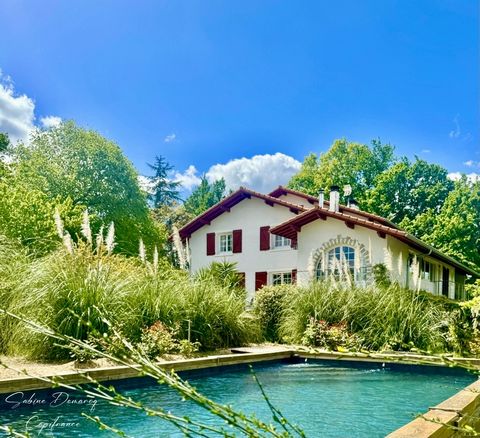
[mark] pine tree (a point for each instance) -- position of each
(163, 190)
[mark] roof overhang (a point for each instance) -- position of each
(291, 227)
(226, 204)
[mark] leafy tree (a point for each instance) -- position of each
(455, 228)
(163, 190)
(408, 189)
(205, 196)
(304, 180)
(27, 216)
(4, 141)
(71, 162)
(344, 163)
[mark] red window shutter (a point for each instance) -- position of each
(237, 241)
(260, 280)
(242, 279)
(294, 276)
(264, 238)
(210, 243)
(293, 245)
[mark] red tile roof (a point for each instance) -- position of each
(280, 191)
(291, 227)
(226, 204)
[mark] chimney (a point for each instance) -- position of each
(334, 199)
(354, 204)
(321, 199)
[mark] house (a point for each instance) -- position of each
(289, 237)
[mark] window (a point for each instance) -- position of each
(426, 270)
(339, 263)
(281, 278)
(225, 243)
(281, 242)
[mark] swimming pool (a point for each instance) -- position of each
(326, 398)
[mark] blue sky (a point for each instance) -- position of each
(205, 82)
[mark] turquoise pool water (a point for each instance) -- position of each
(327, 398)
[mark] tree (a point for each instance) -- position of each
(455, 228)
(344, 163)
(304, 180)
(4, 141)
(205, 195)
(163, 190)
(71, 162)
(27, 216)
(408, 189)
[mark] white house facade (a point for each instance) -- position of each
(290, 237)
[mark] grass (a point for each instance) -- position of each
(383, 318)
(76, 292)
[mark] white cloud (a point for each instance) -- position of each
(261, 172)
(455, 133)
(50, 121)
(473, 177)
(426, 151)
(189, 179)
(145, 184)
(170, 137)
(17, 112)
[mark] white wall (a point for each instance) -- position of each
(389, 251)
(248, 215)
(314, 235)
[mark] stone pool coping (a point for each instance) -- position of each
(454, 411)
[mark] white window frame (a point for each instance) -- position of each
(283, 275)
(280, 242)
(229, 237)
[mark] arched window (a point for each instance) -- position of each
(339, 263)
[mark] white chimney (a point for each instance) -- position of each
(334, 199)
(321, 199)
(354, 205)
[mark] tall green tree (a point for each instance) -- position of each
(455, 227)
(408, 189)
(345, 163)
(163, 191)
(205, 195)
(4, 141)
(71, 162)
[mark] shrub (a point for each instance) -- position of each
(383, 318)
(269, 306)
(77, 290)
(319, 333)
(159, 339)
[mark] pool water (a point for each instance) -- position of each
(326, 398)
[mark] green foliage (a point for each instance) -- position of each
(408, 189)
(455, 227)
(382, 318)
(76, 292)
(70, 162)
(344, 163)
(205, 196)
(319, 333)
(158, 340)
(380, 275)
(223, 274)
(163, 190)
(4, 142)
(269, 305)
(27, 215)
